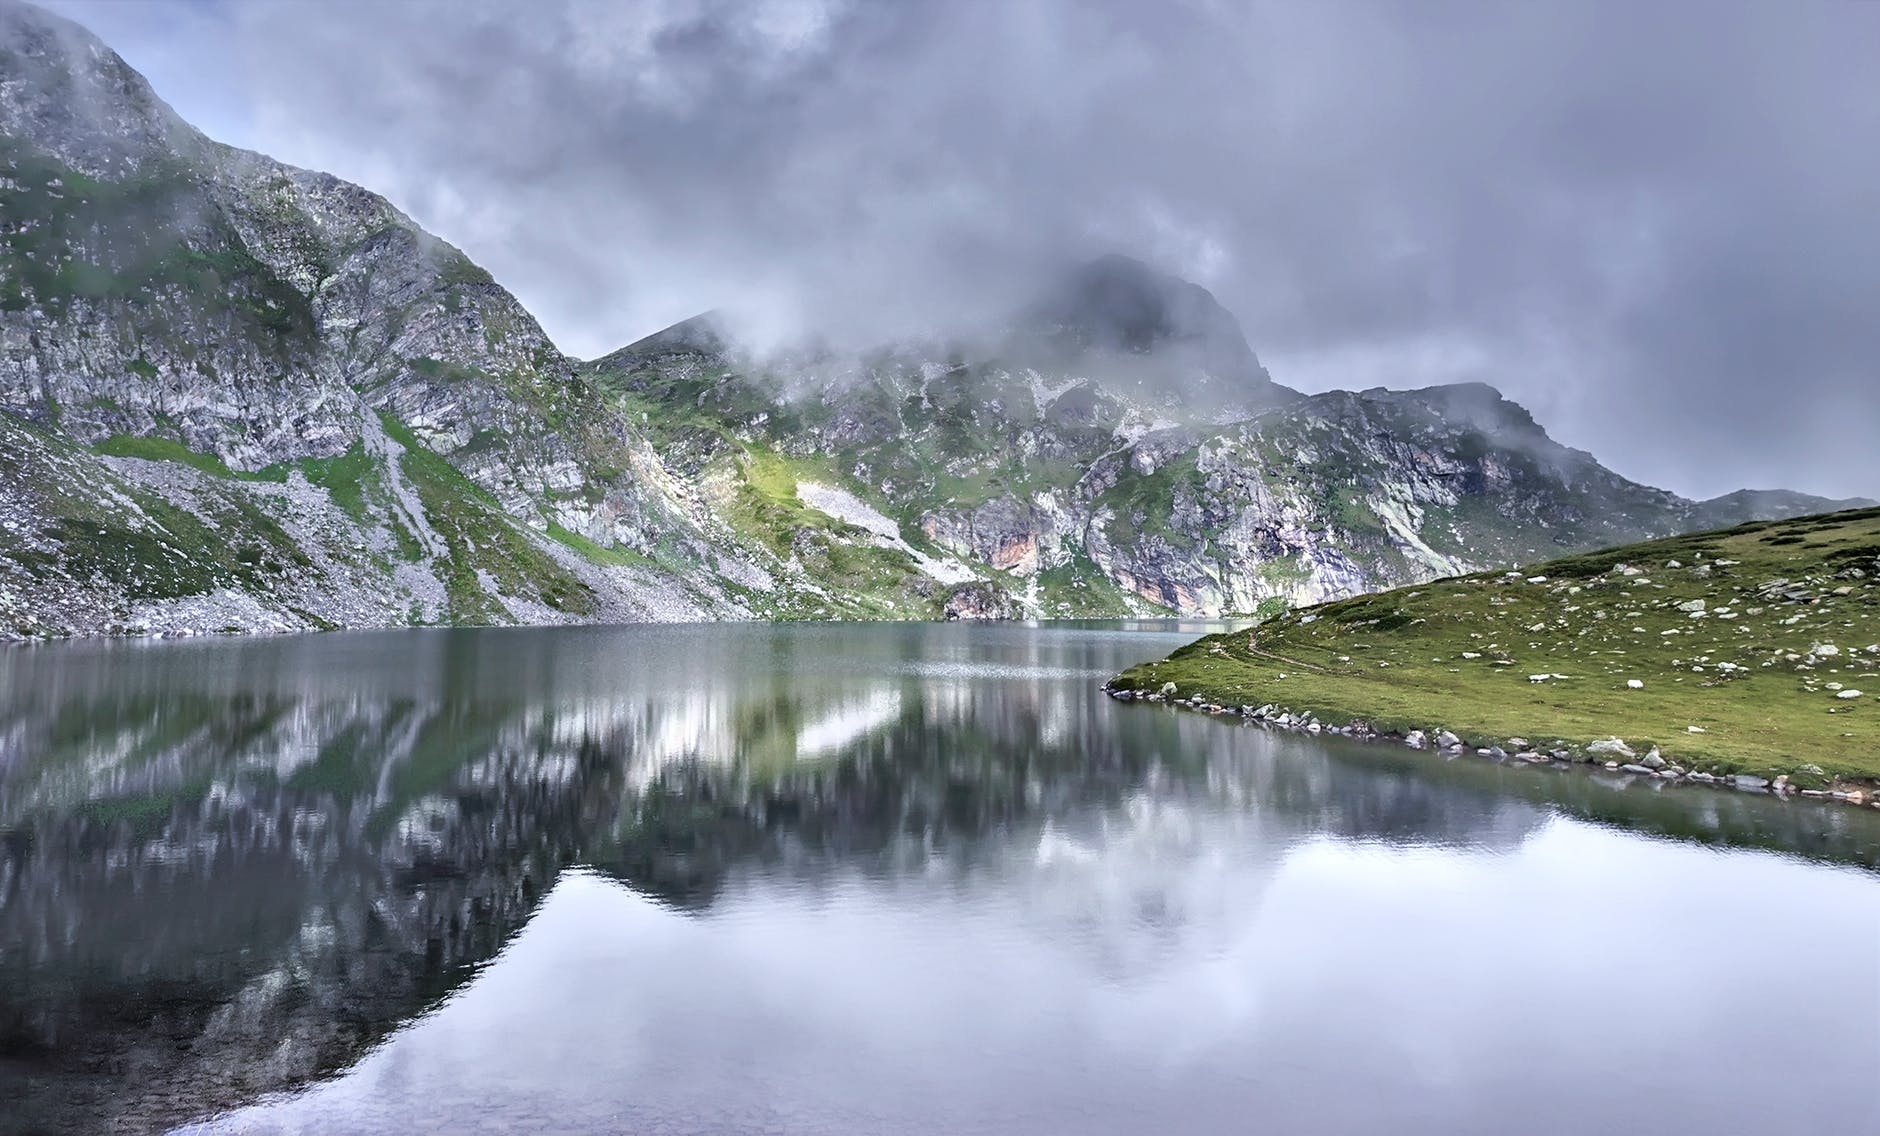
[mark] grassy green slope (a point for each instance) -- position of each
(1789, 628)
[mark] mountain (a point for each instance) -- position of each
(239, 395)
(371, 430)
(1078, 499)
(1747, 505)
(1146, 333)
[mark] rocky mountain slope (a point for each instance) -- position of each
(238, 395)
(1075, 491)
(336, 386)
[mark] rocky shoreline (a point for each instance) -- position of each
(1611, 755)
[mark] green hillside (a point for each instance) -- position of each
(1750, 650)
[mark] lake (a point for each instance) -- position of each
(892, 878)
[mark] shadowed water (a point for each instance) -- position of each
(889, 878)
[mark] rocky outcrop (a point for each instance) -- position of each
(1004, 533)
(978, 601)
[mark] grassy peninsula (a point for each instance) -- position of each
(1753, 650)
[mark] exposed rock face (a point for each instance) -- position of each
(238, 395)
(979, 601)
(1011, 535)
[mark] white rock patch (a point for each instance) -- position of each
(852, 510)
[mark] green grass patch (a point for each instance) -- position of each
(481, 538)
(161, 449)
(1144, 503)
(1079, 589)
(1749, 672)
(598, 553)
(352, 477)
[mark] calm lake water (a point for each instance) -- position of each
(871, 879)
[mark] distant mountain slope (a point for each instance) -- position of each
(239, 395)
(1089, 495)
(1770, 505)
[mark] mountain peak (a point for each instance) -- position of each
(1119, 318)
(702, 334)
(1118, 304)
(72, 96)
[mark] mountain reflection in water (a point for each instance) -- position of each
(228, 868)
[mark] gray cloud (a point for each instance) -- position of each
(1654, 223)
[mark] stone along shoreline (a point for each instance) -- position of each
(1611, 754)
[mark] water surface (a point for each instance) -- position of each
(889, 878)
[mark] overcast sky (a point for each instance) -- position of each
(1656, 224)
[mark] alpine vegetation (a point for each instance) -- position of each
(1749, 656)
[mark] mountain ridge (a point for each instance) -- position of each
(237, 395)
